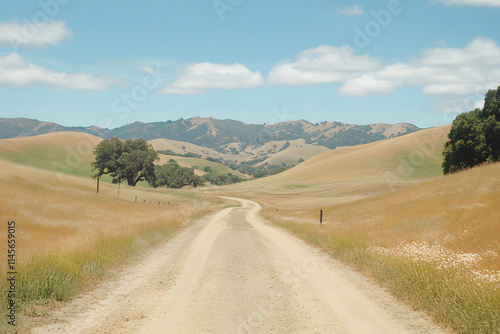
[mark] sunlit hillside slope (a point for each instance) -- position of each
(72, 153)
(65, 152)
(181, 147)
(350, 173)
(433, 244)
(68, 235)
(199, 165)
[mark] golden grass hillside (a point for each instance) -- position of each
(351, 173)
(181, 147)
(435, 244)
(64, 152)
(371, 161)
(199, 165)
(298, 149)
(459, 211)
(433, 240)
(72, 153)
(67, 235)
(293, 154)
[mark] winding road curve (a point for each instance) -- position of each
(231, 272)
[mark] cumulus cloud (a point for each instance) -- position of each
(474, 3)
(368, 83)
(351, 10)
(51, 32)
(16, 71)
(323, 64)
(201, 77)
(440, 71)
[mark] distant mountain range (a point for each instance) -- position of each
(223, 134)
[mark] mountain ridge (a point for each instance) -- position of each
(223, 135)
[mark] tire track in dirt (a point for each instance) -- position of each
(233, 273)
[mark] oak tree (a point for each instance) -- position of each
(130, 160)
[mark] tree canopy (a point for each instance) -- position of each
(474, 137)
(174, 176)
(130, 160)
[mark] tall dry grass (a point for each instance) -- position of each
(435, 244)
(68, 236)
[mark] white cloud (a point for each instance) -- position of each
(323, 64)
(474, 3)
(16, 71)
(439, 71)
(201, 77)
(368, 82)
(351, 10)
(28, 33)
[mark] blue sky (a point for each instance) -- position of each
(110, 63)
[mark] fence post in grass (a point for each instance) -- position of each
(320, 217)
(97, 185)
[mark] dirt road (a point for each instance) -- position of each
(233, 273)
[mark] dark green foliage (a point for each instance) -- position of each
(351, 137)
(186, 155)
(287, 145)
(174, 176)
(130, 160)
(263, 171)
(245, 167)
(474, 137)
(220, 179)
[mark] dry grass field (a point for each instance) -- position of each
(181, 147)
(458, 212)
(65, 152)
(434, 244)
(71, 153)
(351, 173)
(433, 240)
(199, 164)
(290, 156)
(67, 235)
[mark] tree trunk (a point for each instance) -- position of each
(131, 181)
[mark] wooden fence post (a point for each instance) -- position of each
(320, 217)
(97, 185)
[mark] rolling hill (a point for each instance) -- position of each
(350, 173)
(66, 152)
(25, 127)
(233, 141)
(71, 153)
(199, 165)
(224, 136)
(181, 147)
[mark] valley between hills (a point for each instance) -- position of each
(400, 248)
